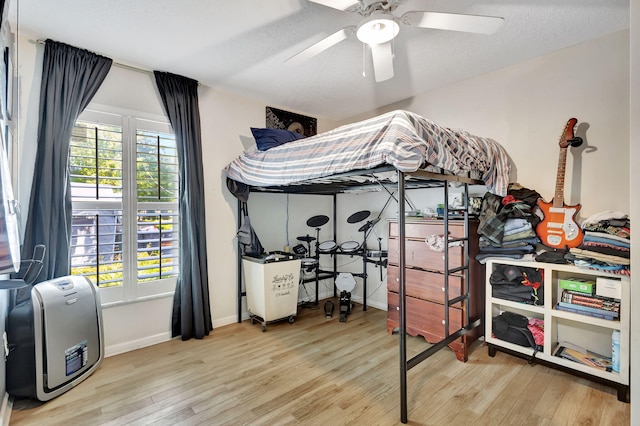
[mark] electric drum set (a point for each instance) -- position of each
(344, 281)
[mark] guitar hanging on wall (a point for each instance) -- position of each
(559, 229)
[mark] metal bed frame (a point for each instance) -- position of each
(344, 183)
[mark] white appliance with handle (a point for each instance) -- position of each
(55, 338)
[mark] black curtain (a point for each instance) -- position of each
(191, 308)
(70, 79)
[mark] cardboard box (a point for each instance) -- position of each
(609, 287)
(579, 284)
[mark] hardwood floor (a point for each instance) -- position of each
(320, 371)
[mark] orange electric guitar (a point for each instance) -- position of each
(559, 229)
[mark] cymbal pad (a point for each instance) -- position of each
(318, 220)
(358, 216)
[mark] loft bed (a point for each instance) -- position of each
(396, 151)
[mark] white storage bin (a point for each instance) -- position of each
(609, 287)
(271, 283)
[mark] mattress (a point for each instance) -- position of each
(402, 139)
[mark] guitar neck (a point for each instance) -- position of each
(558, 199)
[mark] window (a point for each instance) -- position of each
(124, 190)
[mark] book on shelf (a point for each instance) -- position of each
(593, 301)
(591, 297)
(573, 353)
(586, 310)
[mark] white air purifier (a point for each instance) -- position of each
(55, 338)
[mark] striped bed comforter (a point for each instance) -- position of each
(402, 139)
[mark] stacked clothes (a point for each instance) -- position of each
(507, 224)
(606, 245)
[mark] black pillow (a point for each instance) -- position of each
(270, 138)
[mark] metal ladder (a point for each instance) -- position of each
(407, 364)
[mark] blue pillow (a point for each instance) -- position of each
(269, 138)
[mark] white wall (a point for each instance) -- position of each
(524, 107)
(634, 154)
(226, 120)
(268, 216)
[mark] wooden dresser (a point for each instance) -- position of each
(425, 283)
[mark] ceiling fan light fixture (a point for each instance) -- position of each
(377, 29)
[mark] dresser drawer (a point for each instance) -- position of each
(423, 229)
(424, 285)
(419, 255)
(424, 318)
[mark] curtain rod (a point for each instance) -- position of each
(118, 64)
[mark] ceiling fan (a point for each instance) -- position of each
(380, 26)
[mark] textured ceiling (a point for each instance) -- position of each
(241, 45)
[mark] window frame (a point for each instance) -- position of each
(130, 121)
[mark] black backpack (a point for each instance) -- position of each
(512, 327)
(507, 283)
(249, 242)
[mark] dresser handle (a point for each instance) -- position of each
(442, 322)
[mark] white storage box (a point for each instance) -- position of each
(271, 283)
(609, 287)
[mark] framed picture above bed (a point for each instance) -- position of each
(279, 119)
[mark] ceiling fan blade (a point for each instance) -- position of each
(322, 45)
(337, 4)
(382, 61)
(453, 21)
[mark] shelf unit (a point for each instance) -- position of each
(588, 332)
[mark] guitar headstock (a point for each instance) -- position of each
(568, 137)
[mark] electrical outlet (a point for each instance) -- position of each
(455, 200)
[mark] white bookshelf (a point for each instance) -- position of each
(588, 332)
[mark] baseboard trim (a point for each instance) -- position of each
(164, 337)
(228, 320)
(136, 344)
(372, 304)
